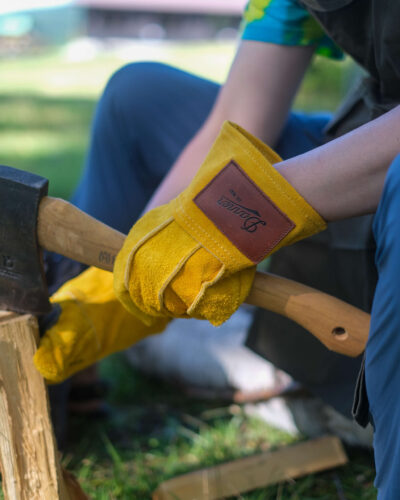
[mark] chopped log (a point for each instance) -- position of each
(30, 463)
(239, 476)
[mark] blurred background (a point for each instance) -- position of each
(55, 58)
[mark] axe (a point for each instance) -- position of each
(31, 220)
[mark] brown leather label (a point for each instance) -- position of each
(240, 210)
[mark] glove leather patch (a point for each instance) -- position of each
(243, 213)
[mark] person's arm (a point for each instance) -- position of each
(257, 95)
(345, 177)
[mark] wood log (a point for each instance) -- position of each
(239, 476)
(30, 463)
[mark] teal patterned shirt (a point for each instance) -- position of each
(286, 22)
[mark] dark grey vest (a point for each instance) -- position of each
(369, 31)
(339, 261)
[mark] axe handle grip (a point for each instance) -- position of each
(64, 229)
(340, 326)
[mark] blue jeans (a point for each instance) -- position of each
(382, 364)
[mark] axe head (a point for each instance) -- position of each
(22, 282)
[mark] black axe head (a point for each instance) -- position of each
(22, 282)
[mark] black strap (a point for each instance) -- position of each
(360, 409)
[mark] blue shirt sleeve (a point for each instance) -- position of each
(286, 22)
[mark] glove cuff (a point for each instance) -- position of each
(239, 207)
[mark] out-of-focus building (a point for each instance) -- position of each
(188, 19)
(25, 23)
(30, 24)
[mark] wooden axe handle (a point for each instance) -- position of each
(65, 229)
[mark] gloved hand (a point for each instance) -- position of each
(91, 325)
(196, 256)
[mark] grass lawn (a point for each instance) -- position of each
(47, 101)
(46, 105)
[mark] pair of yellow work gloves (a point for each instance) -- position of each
(193, 257)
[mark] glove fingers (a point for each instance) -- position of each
(174, 284)
(86, 333)
(92, 325)
(93, 285)
(121, 329)
(60, 351)
(141, 232)
(201, 291)
(220, 300)
(152, 268)
(189, 284)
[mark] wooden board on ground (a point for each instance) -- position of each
(239, 476)
(29, 458)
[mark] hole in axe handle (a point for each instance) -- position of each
(315, 311)
(340, 333)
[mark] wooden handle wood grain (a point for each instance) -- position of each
(65, 229)
(341, 327)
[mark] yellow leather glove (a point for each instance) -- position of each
(92, 324)
(196, 256)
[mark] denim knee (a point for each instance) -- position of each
(136, 76)
(132, 88)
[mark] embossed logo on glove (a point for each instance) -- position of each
(240, 210)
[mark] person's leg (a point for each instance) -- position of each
(145, 117)
(382, 367)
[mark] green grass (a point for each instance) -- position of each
(47, 101)
(155, 432)
(47, 136)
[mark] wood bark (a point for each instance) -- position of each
(30, 462)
